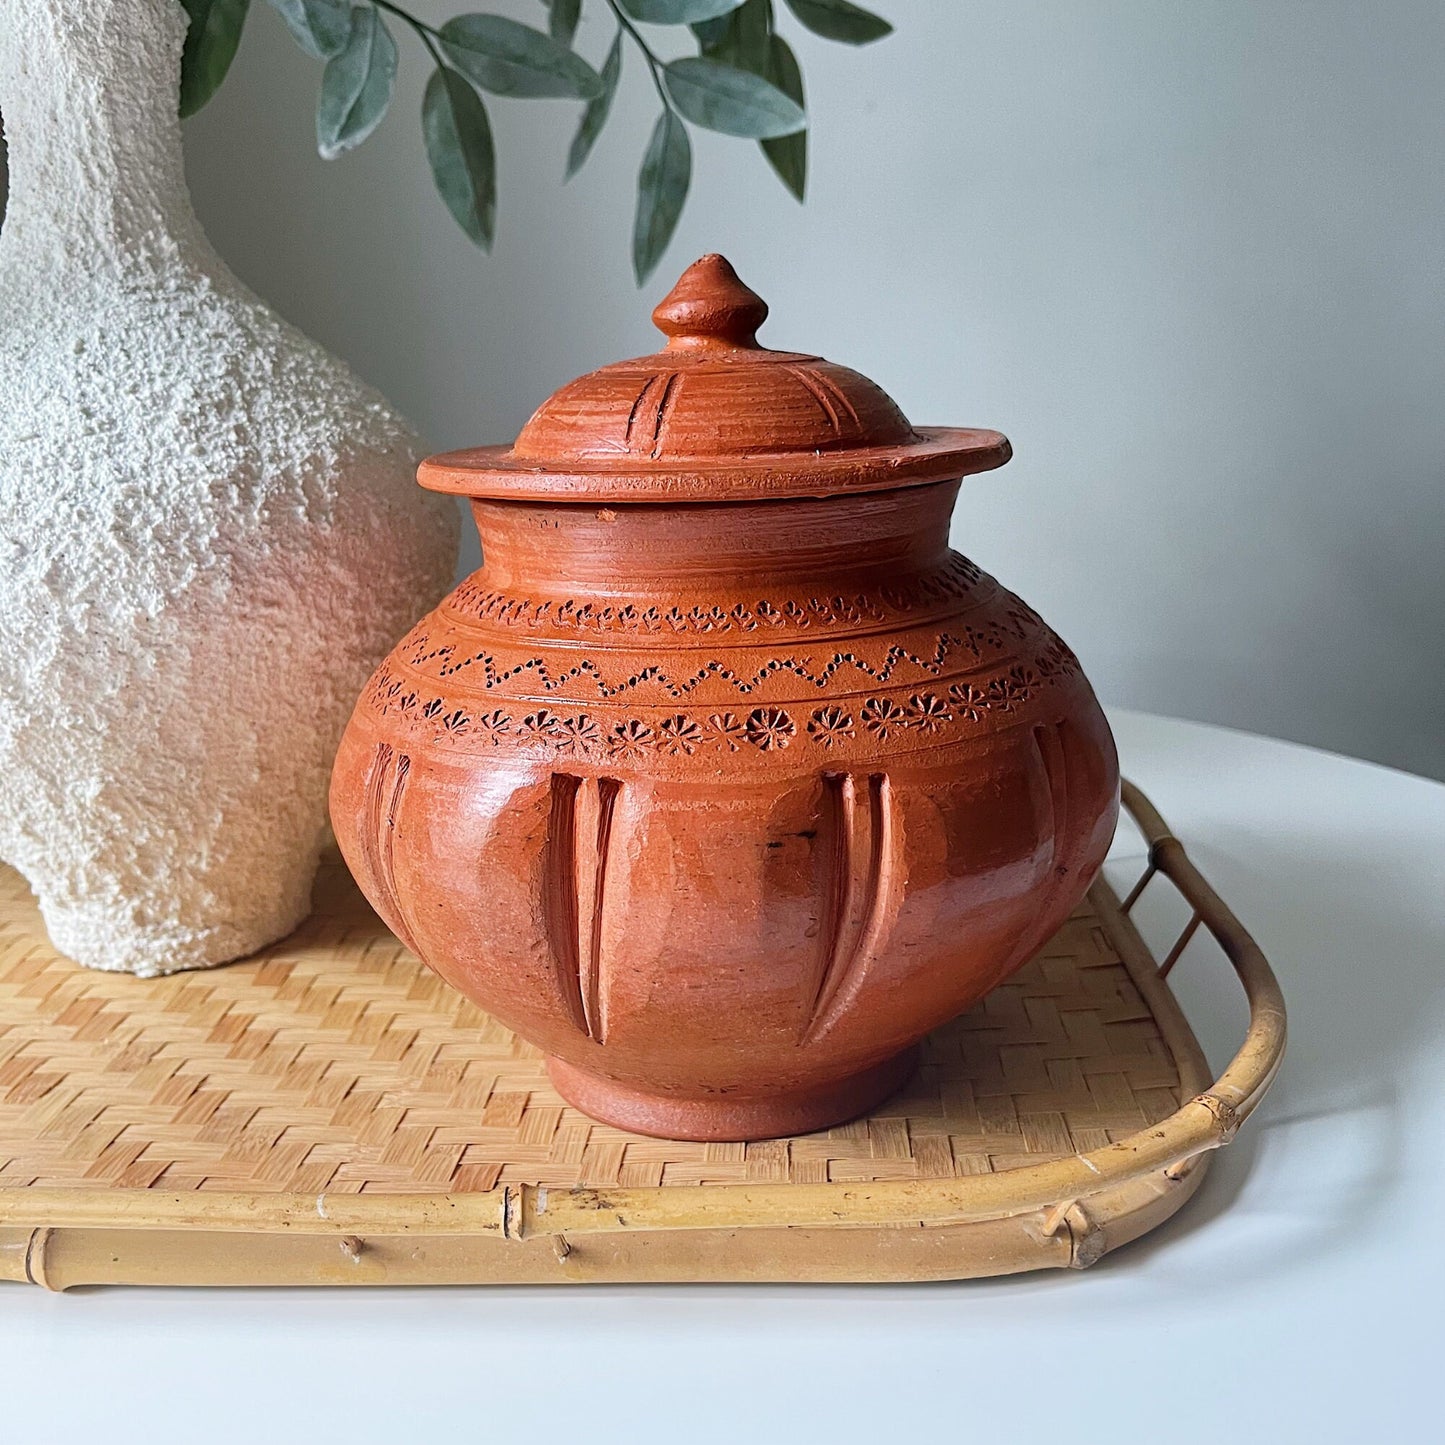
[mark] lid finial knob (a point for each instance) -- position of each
(709, 306)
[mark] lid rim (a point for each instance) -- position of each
(941, 454)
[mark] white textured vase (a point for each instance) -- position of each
(209, 529)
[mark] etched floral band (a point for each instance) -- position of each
(434, 719)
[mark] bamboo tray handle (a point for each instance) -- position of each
(1206, 1121)
(1241, 1086)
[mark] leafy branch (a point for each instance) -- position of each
(743, 81)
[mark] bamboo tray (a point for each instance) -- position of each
(330, 1113)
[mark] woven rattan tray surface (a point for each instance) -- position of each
(329, 1111)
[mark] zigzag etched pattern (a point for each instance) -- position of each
(488, 675)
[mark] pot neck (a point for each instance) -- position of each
(710, 553)
(89, 93)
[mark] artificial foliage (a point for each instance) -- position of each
(743, 80)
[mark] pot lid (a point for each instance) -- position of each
(714, 417)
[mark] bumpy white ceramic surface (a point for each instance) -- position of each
(209, 528)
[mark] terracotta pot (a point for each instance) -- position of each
(724, 780)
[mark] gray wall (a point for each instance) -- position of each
(1191, 257)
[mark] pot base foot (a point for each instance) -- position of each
(724, 1120)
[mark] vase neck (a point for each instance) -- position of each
(650, 556)
(89, 93)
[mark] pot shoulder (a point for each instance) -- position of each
(808, 681)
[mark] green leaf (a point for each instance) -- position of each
(356, 85)
(598, 109)
(677, 12)
(729, 100)
(211, 40)
(319, 27)
(661, 189)
(787, 154)
(840, 20)
(745, 39)
(739, 38)
(711, 33)
(509, 58)
(563, 24)
(752, 29)
(463, 159)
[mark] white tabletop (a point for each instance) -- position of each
(1295, 1298)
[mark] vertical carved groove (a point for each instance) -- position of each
(401, 770)
(840, 398)
(371, 822)
(385, 785)
(579, 836)
(594, 994)
(882, 863)
(812, 385)
(860, 892)
(837, 826)
(632, 416)
(559, 895)
(1050, 743)
(661, 419)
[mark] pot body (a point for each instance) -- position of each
(192, 494)
(726, 806)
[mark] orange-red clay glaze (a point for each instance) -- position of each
(724, 780)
